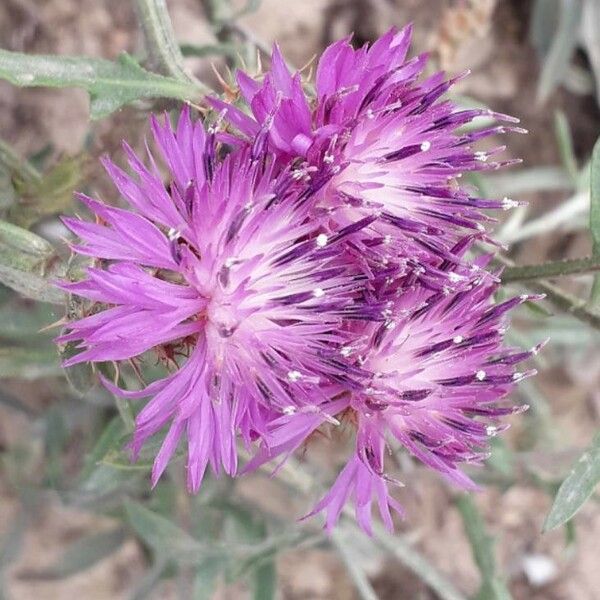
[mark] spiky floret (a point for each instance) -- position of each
(389, 146)
(223, 262)
(439, 372)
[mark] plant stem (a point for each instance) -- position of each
(561, 299)
(552, 269)
(353, 566)
(164, 54)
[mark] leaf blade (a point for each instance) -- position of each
(111, 85)
(576, 488)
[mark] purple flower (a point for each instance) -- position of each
(439, 376)
(390, 149)
(314, 275)
(222, 264)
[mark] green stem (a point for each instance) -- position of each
(561, 299)
(163, 51)
(353, 566)
(552, 269)
(416, 562)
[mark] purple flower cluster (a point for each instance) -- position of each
(308, 255)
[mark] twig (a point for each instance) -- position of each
(561, 299)
(558, 268)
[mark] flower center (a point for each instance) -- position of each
(223, 318)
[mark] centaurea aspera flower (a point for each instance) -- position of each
(439, 376)
(315, 274)
(224, 264)
(390, 147)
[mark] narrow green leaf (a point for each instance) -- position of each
(206, 578)
(22, 249)
(163, 52)
(206, 50)
(111, 85)
(577, 487)
(417, 563)
(111, 438)
(163, 536)
(25, 264)
(564, 139)
(16, 165)
(81, 555)
(343, 545)
(50, 195)
(265, 581)
(590, 36)
(559, 55)
(595, 217)
(482, 547)
(543, 25)
(28, 363)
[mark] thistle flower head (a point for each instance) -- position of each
(389, 147)
(310, 270)
(439, 376)
(222, 265)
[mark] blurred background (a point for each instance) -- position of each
(76, 521)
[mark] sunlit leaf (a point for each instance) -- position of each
(110, 85)
(577, 487)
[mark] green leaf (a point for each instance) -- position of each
(590, 36)
(110, 439)
(29, 363)
(111, 85)
(543, 24)
(482, 547)
(21, 321)
(26, 264)
(417, 563)
(50, 195)
(163, 52)
(558, 58)
(595, 217)
(265, 581)
(163, 536)
(564, 138)
(81, 555)
(206, 578)
(577, 487)
(343, 545)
